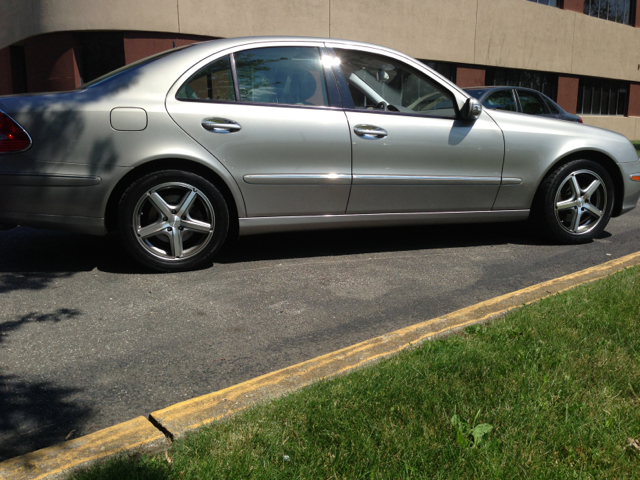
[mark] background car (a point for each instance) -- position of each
(520, 99)
(181, 151)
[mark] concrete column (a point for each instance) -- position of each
(634, 100)
(568, 93)
(52, 63)
(574, 5)
(470, 77)
(138, 45)
(6, 77)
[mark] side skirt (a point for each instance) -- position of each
(256, 225)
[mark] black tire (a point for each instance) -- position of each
(557, 203)
(173, 221)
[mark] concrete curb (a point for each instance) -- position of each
(58, 461)
(140, 434)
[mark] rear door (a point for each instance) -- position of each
(271, 115)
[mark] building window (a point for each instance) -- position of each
(618, 11)
(18, 69)
(597, 96)
(100, 53)
(551, 3)
(544, 82)
(447, 70)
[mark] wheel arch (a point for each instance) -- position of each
(605, 161)
(235, 205)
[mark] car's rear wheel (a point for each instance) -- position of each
(575, 202)
(172, 220)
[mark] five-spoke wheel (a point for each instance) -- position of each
(173, 220)
(575, 201)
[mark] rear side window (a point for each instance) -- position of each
(501, 100)
(281, 75)
(551, 106)
(532, 103)
(213, 82)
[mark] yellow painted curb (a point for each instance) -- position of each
(57, 461)
(188, 415)
(139, 434)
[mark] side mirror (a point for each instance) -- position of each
(471, 110)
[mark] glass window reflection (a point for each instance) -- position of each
(618, 11)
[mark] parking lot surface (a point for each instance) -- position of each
(89, 339)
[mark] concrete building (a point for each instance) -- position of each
(583, 53)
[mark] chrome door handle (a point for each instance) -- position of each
(370, 132)
(220, 125)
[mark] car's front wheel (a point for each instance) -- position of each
(575, 201)
(172, 220)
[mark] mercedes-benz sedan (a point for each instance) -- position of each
(180, 151)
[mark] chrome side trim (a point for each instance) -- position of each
(31, 180)
(299, 179)
(256, 225)
(422, 180)
(511, 181)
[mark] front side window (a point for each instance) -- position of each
(213, 82)
(282, 75)
(384, 84)
(551, 106)
(501, 100)
(532, 103)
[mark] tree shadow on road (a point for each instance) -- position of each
(36, 413)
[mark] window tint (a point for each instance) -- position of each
(532, 103)
(381, 83)
(213, 82)
(283, 75)
(501, 100)
(475, 93)
(447, 70)
(551, 106)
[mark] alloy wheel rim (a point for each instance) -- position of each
(580, 202)
(173, 221)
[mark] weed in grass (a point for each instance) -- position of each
(550, 391)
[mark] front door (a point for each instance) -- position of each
(410, 151)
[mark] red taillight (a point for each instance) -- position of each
(580, 119)
(12, 137)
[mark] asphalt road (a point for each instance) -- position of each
(89, 339)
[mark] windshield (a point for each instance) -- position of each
(129, 67)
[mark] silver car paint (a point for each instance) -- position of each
(311, 176)
(77, 158)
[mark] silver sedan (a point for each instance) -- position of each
(181, 151)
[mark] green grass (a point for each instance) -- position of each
(555, 386)
(636, 143)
